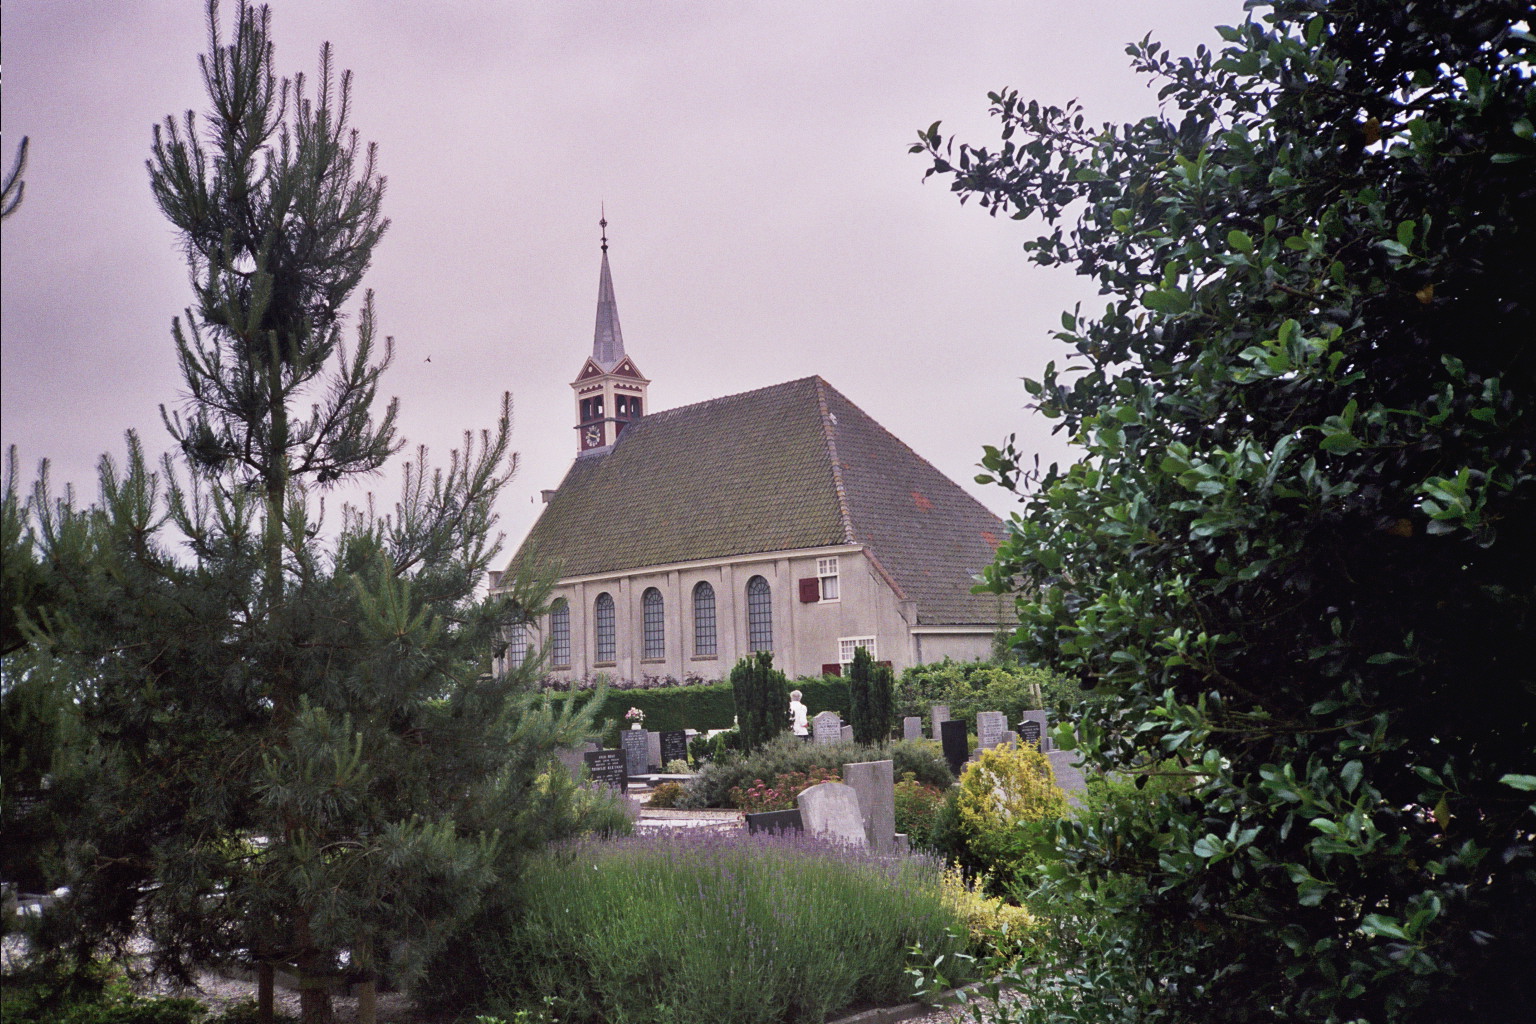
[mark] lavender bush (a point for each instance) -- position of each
(717, 926)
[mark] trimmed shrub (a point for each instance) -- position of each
(666, 794)
(712, 786)
(869, 699)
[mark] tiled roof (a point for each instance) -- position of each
(795, 465)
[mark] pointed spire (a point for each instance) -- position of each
(608, 339)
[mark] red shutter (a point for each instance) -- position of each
(810, 590)
(832, 670)
(883, 664)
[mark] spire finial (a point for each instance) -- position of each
(603, 223)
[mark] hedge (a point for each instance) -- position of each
(703, 707)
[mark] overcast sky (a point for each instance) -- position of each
(765, 219)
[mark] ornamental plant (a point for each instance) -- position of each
(1002, 791)
(781, 792)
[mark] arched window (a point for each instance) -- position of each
(653, 621)
(604, 633)
(704, 621)
(517, 645)
(759, 615)
(560, 634)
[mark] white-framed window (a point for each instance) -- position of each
(605, 646)
(826, 573)
(759, 615)
(704, 629)
(848, 644)
(560, 634)
(654, 622)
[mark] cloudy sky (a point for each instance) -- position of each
(765, 219)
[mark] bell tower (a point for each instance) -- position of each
(610, 390)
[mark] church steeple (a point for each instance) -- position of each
(610, 390)
(608, 339)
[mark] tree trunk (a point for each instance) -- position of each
(264, 1001)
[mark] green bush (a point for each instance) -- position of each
(712, 785)
(733, 929)
(666, 794)
(917, 809)
(780, 792)
(969, 687)
(1000, 793)
(869, 699)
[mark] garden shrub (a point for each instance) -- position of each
(712, 785)
(733, 929)
(997, 929)
(969, 687)
(780, 793)
(999, 795)
(666, 794)
(917, 808)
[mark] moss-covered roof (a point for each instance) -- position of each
(795, 465)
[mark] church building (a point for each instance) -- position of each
(782, 519)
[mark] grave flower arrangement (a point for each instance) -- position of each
(635, 717)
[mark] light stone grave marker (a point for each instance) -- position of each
(653, 751)
(847, 732)
(874, 783)
(826, 727)
(990, 726)
(940, 714)
(831, 810)
(1068, 775)
(911, 728)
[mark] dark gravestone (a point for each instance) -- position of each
(956, 750)
(674, 747)
(637, 750)
(1029, 732)
(775, 821)
(607, 768)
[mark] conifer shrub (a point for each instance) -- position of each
(762, 699)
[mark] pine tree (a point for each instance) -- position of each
(295, 756)
(870, 700)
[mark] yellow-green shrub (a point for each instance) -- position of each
(1001, 793)
(995, 927)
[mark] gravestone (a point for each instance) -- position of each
(1010, 738)
(874, 782)
(571, 757)
(912, 728)
(607, 768)
(653, 751)
(847, 732)
(831, 810)
(826, 727)
(774, 821)
(990, 726)
(1034, 728)
(674, 747)
(637, 750)
(1068, 775)
(940, 714)
(956, 750)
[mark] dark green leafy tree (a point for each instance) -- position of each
(761, 693)
(293, 755)
(1300, 546)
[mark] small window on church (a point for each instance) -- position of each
(759, 615)
(704, 641)
(560, 634)
(826, 572)
(517, 645)
(606, 648)
(651, 610)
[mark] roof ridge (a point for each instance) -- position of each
(724, 398)
(837, 466)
